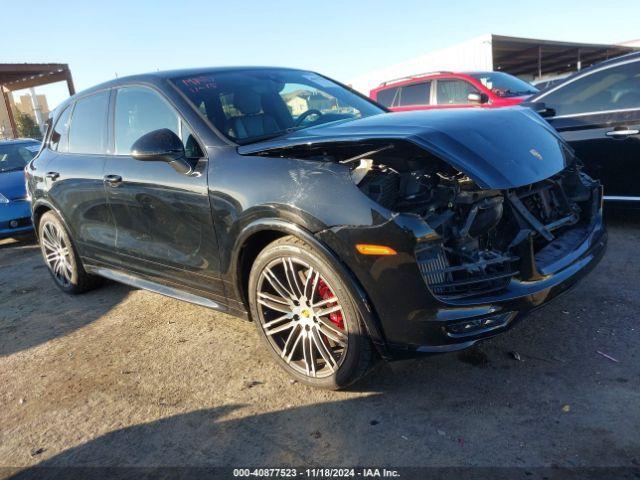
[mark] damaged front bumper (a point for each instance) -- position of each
(461, 325)
(416, 318)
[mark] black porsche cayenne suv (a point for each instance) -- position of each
(344, 232)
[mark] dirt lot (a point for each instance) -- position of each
(126, 377)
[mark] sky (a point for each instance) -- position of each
(341, 39)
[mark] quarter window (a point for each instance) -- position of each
(59, 140)
(87, 133)
(140, 111)
(453, 92)
(614, 88)
(416, 94)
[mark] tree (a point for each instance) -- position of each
(27, 127)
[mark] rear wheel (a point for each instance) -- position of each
(307, 315)
(62, 258)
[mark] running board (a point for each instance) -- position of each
(165, 290)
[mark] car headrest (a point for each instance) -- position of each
(247, 101)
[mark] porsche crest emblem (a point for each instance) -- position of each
(536, 154)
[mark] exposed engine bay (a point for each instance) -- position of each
(487, 236)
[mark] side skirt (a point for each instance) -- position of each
(165, 290)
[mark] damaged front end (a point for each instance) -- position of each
(486, 236)
(491, 236)
(490, 232)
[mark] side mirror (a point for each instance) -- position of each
(540, 108)
(476, 97)
(161, 146)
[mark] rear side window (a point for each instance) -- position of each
(453, 92)
(139, 111)
(59, 140)
(385, 97)
(614, 88)
(87, 133)
(416, 94)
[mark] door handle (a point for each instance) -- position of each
(113, 180)
(623, 132)
(53, 176)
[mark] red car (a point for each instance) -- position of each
(452, 90)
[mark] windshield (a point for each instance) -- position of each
(256, 104)
(14, 156)
(504, 85)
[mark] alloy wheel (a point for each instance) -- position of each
(301, 317)
(56, 253)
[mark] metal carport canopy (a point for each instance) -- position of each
(16, 76)
(528, 56)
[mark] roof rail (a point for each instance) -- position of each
(409, 77)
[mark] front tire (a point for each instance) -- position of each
(61, 257)
(307, 316)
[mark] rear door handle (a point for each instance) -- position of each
(53, 176)
(113, 180)
(623, 132)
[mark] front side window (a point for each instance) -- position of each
(139, 111)
(59, 140)
(14, 156)
(252, 104)
(416, 94)
(615, 88)
(454, 92)
(87, 132)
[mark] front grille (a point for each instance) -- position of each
(539, 225)
(434, 269)
(466, 280)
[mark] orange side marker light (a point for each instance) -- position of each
(368, 249)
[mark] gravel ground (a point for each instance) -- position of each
(126, 377)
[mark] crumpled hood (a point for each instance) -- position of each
(498, 148)
(12, 184)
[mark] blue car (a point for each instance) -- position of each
(15, 210)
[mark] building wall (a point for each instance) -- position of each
(631, 43)
(297, 105)
(474, 54)
(25, 105)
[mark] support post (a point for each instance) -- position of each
(579, 64)
(539, 61)
(7, 103)
(72, 89)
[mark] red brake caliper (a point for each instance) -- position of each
(325, 292)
